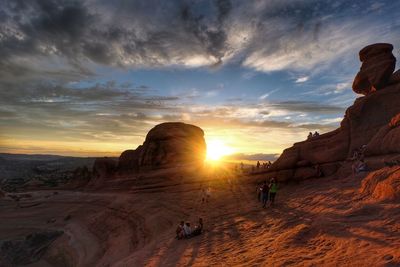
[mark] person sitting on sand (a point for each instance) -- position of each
(273, 188)
(310, 135)
(359, 166)
(265, 190)
(180, 233)
(187, 229)
(198, 229)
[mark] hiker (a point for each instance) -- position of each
(198, 229)
(259, 192)
(208, 193)
(265, 190)
(316, 134)
(273, 188)
(258, 164)
(203, 195)
(180, 233)
(187, 230)
(310, 135)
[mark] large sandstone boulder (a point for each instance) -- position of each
(167, 144)
(378, 64)
(104, 167)
(129, 160)
(386, 140)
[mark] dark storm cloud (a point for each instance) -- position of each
(138, 33)
(263, 35)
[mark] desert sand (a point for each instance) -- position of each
(131, 221)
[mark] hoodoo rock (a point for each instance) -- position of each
(167, 144)
(372, 122)
(377, 67)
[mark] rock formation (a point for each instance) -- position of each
(373, 120)
(377, 67)
(103, 167)
(382, 185)
(167, 144)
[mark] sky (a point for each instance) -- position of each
(91, 78)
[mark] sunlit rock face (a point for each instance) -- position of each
(372, 121)
(167, 144)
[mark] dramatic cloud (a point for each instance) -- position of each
(74, 70)
(279, 35)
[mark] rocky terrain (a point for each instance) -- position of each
(372, 121)
(19, 171)
(126, 212)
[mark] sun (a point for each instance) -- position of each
(216, 149)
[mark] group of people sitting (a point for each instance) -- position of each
(267, 191)
(184, 230)
(359, 164)
(311, 135)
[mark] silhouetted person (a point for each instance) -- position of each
(258, 164)
(265, 189)
(259, 192)
(241, 166)
(318, 170)
(273, 188)
(316, 134)
(310, 135)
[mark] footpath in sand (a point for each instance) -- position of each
(132, 222)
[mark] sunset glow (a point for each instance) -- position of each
(216, 149)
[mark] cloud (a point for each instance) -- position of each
(302, 79)
(307, 106)
(70, 36)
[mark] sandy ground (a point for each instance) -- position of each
(132, 221)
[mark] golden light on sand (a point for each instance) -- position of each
(216, 149)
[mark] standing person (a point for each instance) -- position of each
(203, 195)
(258, 164)
(273, 188)
(259, 192)
(265, 189)
(208, 194)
